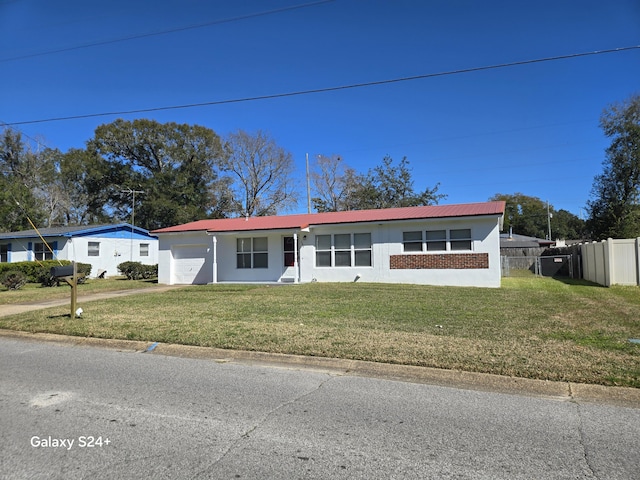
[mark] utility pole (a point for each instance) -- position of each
(129, 191)
(308, 188)
(549, 215)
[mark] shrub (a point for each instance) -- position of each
(39, 272)
(138, 271)
(13, 279)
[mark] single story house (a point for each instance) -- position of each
(103, 246)
(514, 245)
(435, 245)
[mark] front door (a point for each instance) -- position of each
(289, 256)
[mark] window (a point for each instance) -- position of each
(144, 249)
(436, 240)
(323, 250)
(460, 239)
(252, 252)
(260, 252)
(289, 251)
(41, 252)
(343, 250)
(4, 253)
(412, 241)
(93, 249)
(362, 249)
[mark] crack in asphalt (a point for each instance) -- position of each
(235, 443)
(583, 440)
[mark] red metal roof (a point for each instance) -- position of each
(353, 216)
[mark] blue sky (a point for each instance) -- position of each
(529, 128)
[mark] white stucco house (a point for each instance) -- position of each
(435, 245)
(103, 246)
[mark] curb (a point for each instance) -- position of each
(562, 391)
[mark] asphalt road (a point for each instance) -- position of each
(69, 411)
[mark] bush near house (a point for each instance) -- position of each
(138, 271)
(13, 279)
(39, 272)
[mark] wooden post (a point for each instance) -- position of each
(73, 283)
(74, 290)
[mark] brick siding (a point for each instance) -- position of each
(440, 261)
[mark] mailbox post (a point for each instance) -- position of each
(68, 273)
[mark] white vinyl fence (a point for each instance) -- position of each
(612, 262)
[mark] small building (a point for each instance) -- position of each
(435, 245)
(514, 245)
(102, 246)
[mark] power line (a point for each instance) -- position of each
(330, 89)
(165, 32)
(39, 143)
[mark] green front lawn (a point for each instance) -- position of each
(531, 327)
(33, 292)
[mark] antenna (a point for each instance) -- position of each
(129, 191)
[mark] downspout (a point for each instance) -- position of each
(215, 257)
(296, 278)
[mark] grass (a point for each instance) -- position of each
(34, 292)
(531, 327)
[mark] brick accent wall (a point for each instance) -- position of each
(440, 261)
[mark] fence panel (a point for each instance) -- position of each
(519, 266)
(612, 262)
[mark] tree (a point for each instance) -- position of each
(333, 184)
(388, 186)
(262, 173)
(175, 165)
(527, 215)
(88, 183)
(568, 226)
(20, 171)
(614, 210)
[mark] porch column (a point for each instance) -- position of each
(296, 278)
(215, 259)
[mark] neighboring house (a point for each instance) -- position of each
(103, 246)
(436, 245)
(514, 245)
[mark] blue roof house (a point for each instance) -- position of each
(103, 246)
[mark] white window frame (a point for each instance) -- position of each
(337, 251)
(410, 241)
(93, 249)
(247, 248)
(460, 240)
(41, 252)
(439, 240)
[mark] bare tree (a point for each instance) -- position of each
(332, 182)
(326, 176)
(262, 173)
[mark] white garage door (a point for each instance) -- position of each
(189, 264)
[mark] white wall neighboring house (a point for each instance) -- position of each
(437, 245)
(103, 246)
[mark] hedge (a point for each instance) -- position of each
(138, 271)
(39, 272)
